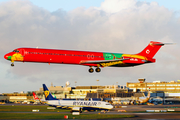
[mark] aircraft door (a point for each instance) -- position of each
(22, 52)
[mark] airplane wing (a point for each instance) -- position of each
(64, 107)
(102, 61)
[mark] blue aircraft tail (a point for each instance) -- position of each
(48, 95)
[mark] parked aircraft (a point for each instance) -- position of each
(75, 105)
(38, 100)
(91, 59)
(142, 99)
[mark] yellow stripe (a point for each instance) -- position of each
(135, 56)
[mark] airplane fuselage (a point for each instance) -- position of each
(73, 57)
(96, 59)
(86, 105)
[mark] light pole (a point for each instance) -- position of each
(75, 83)
(75, 88)
(97, 88)
(116, 89)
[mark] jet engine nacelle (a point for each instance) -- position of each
(76, 109)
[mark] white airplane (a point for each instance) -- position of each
(142, 99)
(75, 105)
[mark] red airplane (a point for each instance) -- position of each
(38, 100)
(91, 59)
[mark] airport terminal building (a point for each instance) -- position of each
(166, 87)
(108, 92)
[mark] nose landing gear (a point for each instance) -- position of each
(12, 64)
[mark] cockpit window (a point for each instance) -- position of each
(16, 50)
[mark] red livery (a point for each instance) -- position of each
(91, 59)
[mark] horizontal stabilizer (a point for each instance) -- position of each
(161, 44)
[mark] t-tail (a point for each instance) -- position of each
(151, 49)
(48, 95)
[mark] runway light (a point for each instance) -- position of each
(65, 116)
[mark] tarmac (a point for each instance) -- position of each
(159, 112)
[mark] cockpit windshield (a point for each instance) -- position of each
(16, 50)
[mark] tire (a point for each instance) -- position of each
(98, 70)
(91, 70)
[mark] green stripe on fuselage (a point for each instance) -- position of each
(111, 56)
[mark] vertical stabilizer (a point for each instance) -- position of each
(48, 95)
(35, 96)
(149, 94)
(151, 49)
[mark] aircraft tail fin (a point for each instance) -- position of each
(35, 96)
(151, 49)
(48, 95)
(149, 94)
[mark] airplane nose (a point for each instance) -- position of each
(6, 56)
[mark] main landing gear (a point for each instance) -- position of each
(91, 70)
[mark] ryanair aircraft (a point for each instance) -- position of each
(75, 105)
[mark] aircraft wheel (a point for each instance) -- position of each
(80, 111)
(98, 70)
(91, 70)
(12, 64)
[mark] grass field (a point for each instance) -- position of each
(28, 108)
(12, 112)
(58, 116)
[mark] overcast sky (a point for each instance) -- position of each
(118, 26)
